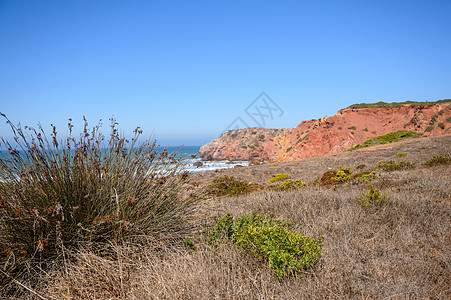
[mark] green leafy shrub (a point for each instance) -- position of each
(365, 129)
(228, 185)
(85, 191)
(391, 165)
(336, 177)
(388, 138)
(340, 128)
(438, 160)
(373, 132)
(373, 198)
(269, 240)
(290, 185)
(400, 154)
(429, 128)
(344, 174)
(352, 128)
(365, 177)
(278, 177)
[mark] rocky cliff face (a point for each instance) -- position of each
(335, 134)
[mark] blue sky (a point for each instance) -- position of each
(184, 70)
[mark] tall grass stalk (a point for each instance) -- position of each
(85, 191)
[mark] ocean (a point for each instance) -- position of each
(187, 151)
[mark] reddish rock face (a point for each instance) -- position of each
(335, 134)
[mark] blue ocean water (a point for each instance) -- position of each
(188, 151)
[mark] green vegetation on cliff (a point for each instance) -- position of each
(397, 104)
(388, 138)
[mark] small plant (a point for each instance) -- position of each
(365, 129)
(342, 175)
(441, 125)
(228, 185)
(364, 177)
(360, 167)
(336, 177)
(373, 132)
(261, 137)
(233, 135)
(340, 128)
(441, 112)
(438, 160)
(429, 128)
(278, 177)
(392, 165)
(352, 128)
(269, 240)
(290, 185)
(373, 198)
(400, 154)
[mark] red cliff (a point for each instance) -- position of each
(347, 128)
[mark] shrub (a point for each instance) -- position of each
(340, 128)
(364, 177)
(352, 128)
(388, 138)
(290, 185)
(438, 160)
(335, 177)
(373, 198)
(59, 195)
(392, 165)
(362, 166)
(228, 185)
(278, 177)
(400, 154)
(429, 128)
(365, 129)
(269, 240)
(261, 137)
(342, 175)
(441, 112)
(373, 132)
(441, 125)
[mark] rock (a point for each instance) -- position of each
(328, 135)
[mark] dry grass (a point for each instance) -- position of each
(401, 250)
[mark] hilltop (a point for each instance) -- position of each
(348, 128)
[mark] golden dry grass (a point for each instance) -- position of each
(401, 250)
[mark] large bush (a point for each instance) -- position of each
(85, 191)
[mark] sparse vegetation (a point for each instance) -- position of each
(278, 177)
(397, 104)
(391, 165)
(365, 129)
(441, 125)
(388, 138)
(228, 185)
(352, 128)
(290, 185)
(429, 128)
(438, 160)
(373, 198)
(400, 154)
(269, 240)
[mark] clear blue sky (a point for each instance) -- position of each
(183, 70)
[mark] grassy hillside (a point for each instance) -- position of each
(383, 220)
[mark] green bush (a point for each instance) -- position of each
(364, 177)
(400, 154)
(278, 177)
(228, 185)
(290, 185)
(373, 198)
(438, 160)
(391, 165)
(441, 125)
(429, 128)
(269, 240)
(85, 191)
(388, 138)
(344, 174)
(336, 177)
(352, 128)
